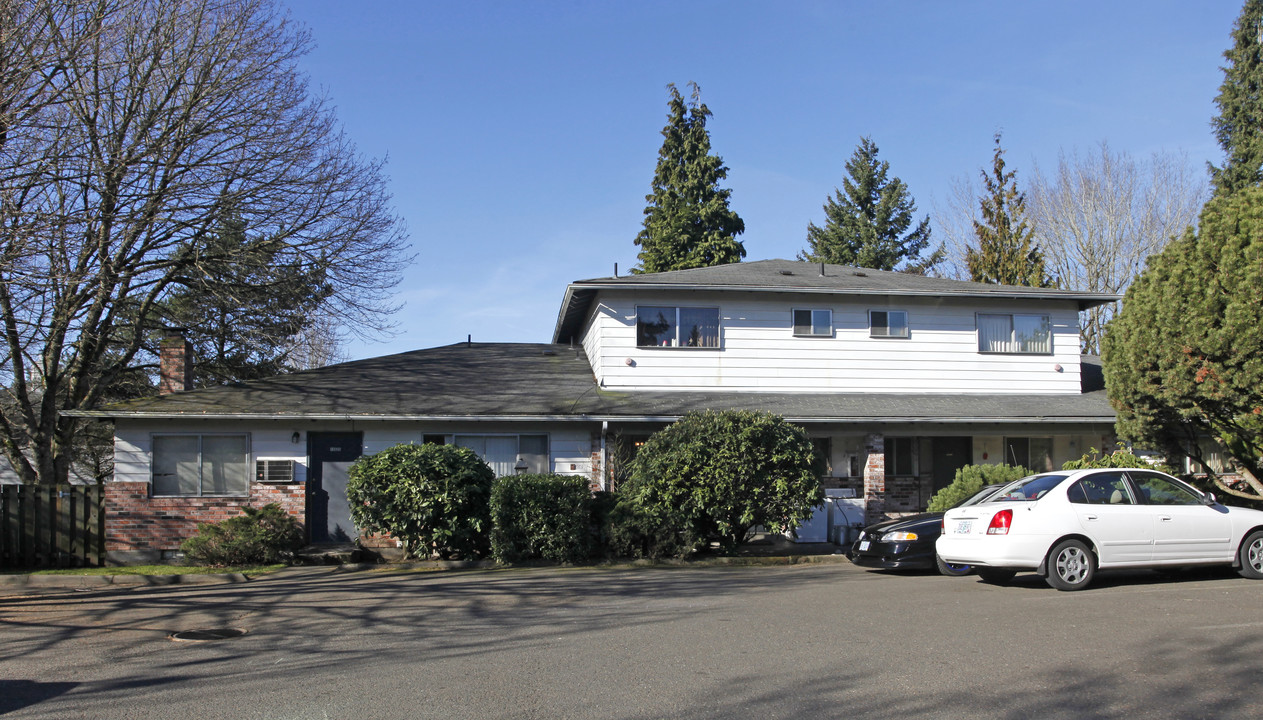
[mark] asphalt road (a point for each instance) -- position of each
(827, 640)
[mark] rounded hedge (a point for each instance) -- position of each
(434, 499)
(716, 475)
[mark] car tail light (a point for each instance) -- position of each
(1000, 523)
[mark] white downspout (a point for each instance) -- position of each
(605, 427)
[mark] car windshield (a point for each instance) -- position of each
(1028, 489)
(981, 495)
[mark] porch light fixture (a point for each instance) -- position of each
(295, 437)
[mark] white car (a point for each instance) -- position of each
(1067, 525)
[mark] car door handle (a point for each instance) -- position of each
(1089, 517)
(1164, 518)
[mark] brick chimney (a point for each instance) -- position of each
(175, 363)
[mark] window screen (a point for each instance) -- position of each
(888, 323)
(201, 465)
(809, 323)
(1027, 334)
(660, 326)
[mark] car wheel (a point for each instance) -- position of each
(952, 569)
(1071, 565)
(1251, 556)
(996, 576)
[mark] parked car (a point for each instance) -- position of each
(908, 542)
(1067, 525)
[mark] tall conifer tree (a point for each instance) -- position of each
(1006, 252)
(1239, 125)
(866, 221)
(688, 223)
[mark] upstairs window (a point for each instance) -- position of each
(888, 323)
(660, 326)
(813, 323)
(1025, 334)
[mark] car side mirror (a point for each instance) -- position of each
(1209, 498)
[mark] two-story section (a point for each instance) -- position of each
(900, 378)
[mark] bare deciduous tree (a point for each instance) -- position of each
(1102, 214)
(126, 126)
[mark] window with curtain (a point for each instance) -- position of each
(1025, 334)
(201, 465)
(502, 452)
(661, 326)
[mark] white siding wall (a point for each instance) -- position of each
(760, 354)
(568, 446)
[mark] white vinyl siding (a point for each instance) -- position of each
(759, 353)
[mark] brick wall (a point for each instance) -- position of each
(875, 477)
(136, 522)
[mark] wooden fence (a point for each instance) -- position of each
(52, 526)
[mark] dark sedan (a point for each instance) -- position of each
(907, 543)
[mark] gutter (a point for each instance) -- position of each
(1057, 419)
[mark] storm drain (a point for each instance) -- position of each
(207, 635)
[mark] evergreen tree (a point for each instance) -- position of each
(241, 303)
(1181, 357)
(866, 220)
(1239, 125)
(688, 222)
(1006, 252)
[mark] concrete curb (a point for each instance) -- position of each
(91, 581)
(734, 561)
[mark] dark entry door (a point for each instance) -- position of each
(329, 456)
(950, 455)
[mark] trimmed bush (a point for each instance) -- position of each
(716, 475)
(972, 478)
(261, 536)
(434, 499)
(540, 516)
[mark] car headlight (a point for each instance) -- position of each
(898, 537)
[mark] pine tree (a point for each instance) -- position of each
(1239, 125)
(1006, 252)
(688, 223)
(866, 220)
(1181, 357)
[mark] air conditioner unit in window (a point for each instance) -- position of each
(274, 471)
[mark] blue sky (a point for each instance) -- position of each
(521, 137)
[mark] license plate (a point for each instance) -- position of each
(964, 526)
(863, 545)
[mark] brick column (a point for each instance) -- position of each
(874, 477)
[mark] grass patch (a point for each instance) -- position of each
(154, 570)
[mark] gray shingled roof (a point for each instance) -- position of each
(488, 381)
(788, 276)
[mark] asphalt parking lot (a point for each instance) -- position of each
(821, 640)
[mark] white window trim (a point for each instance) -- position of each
(1012, 333)
(811, 334)
(907, 328)
(250, 460)
(719, 328)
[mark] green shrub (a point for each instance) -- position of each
(1120, 458)
(630, 530)
(540, 516)
(261, 536)
(970, 479)
(716, 475)
(434, 499)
